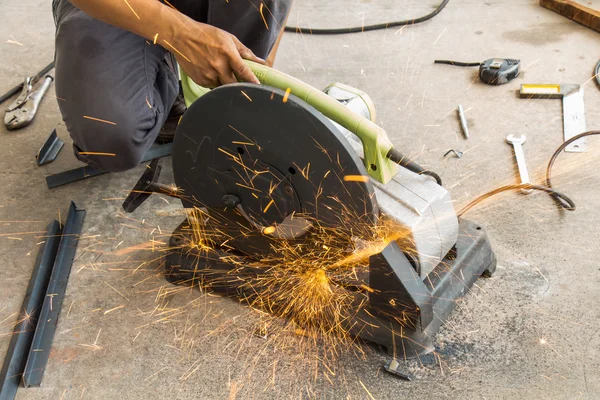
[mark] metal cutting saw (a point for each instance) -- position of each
(281, 164)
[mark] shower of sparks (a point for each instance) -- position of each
(99, 120)
(307, 294)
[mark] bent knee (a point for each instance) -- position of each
(108, 147)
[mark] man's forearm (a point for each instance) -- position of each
(148, 18)
(209, 55)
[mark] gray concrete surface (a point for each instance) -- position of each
(529, 332)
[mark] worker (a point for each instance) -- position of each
(116, 61)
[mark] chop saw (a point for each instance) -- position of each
(284, 167)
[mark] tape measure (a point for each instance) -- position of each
(495, 71)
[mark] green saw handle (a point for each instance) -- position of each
(375, 141)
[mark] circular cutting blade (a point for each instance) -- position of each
(277, 154)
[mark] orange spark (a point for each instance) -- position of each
(366, 390)
(268, 230)
(268, 205)
(113, 309)
(131, 8)
(170, 5)
(247, 187)
(121, 294)
(263, 16)
(155, 37)
(356, 178)
(99, 120)
(287, 94)
(96, 153)
(245, 95)
(178, 52)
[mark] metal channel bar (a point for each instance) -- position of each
(78, 174)
(42, 340)
(20, 342)
(49, 149)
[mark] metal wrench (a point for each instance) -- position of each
(517, 143)
(23, 109)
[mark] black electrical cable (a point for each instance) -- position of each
(596, 72)
(356, 29)
(554, 193)
(458, 63)
(564, 201)
(566, 205)
(407, 163)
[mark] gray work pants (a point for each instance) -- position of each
(115, 88)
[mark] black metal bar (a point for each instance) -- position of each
(19, 87)
(20, 342)
(77, 174)
(44, 333)
(49, 149)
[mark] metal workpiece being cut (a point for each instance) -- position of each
(299, 204)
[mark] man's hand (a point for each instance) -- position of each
(213, 57)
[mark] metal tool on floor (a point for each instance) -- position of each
(20, 341)
(573, 109)
(457, 153)
(54, 296)
(463, 121)
(50, 149)
(517, 144)
(269, 168)
(22, 111)
(495, 71)
(81, 173)
(16, 89)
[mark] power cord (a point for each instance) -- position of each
(562, 200)
(554, 193)
(409, 164)
(559, 200)
(458, 63)
(356, 29)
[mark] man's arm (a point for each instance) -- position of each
(209, 55)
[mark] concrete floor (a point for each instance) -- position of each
(531, 331)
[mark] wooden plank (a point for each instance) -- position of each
(586, 16)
